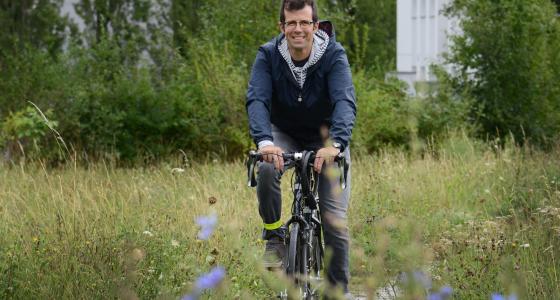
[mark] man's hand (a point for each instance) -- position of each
(327, 155)
(273, 154)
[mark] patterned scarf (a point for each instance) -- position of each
(320, 43)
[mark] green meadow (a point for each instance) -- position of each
(474, 216)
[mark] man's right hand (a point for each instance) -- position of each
(273, 154)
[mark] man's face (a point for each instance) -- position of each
(299, 37)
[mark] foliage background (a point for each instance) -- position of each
(142, 79)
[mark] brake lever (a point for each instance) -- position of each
(343, 167)
(251, 162)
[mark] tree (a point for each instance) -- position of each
(124, 22)
(186, 23)
(508, 59)
(31, 23)
(32, 36)
(367, 29)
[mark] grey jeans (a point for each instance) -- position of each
(333, 205)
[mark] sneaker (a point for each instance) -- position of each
(274, 253)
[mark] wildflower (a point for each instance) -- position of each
(177, 170)
(525, 246)
(207, 225)
(443, 294)
(210, 259)
(206, 282)
(146, 232)
(423, 279)
(418, 277)
(211, 279)
(497, 296)
(446, 290)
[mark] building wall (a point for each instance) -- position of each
(422, 37)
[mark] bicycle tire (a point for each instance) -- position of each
(313, 267)
(304, 267)
(317, 256)
(291, 267)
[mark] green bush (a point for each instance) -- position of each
(209, 95)
(383, 115)
(32, 75)
(508, 60)
(22, 133)
(443, 110)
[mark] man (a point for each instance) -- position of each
(301, 82)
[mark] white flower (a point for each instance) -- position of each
(177, 170)
(146, 232)
(525, 246)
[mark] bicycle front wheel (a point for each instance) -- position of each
(291, 265)
(314, 255)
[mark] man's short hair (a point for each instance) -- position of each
(291, 5)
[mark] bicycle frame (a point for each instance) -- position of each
(305, 212)
(306, 236)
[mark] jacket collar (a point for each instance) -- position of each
(320, 43)
(328, 28)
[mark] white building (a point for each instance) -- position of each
(422, 37)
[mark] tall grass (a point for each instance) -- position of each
(479, 218)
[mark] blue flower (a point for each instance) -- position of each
(446, 291)
(435, 296)
(207, 225)
(497, 296)
(423, 279)
(211, 279)
(205, 282)
(443, 294)
(418, 277)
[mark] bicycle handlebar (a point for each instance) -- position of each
(290, 158)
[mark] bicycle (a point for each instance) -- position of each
(304, 260)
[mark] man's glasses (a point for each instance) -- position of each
(302, 24)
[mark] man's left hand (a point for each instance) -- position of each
(325, 155)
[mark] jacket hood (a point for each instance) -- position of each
(327, 27)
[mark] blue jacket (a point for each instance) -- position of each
(328, 95)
